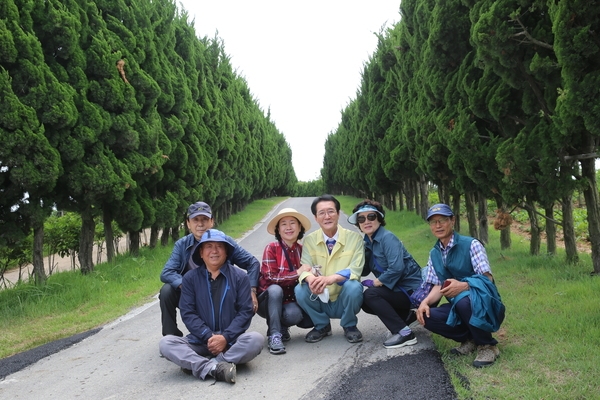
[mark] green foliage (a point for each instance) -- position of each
(61, 234)
(118, 109)
(309, 189)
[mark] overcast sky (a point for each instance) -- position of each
(301, 59)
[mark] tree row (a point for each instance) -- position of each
(116, 109)
(485, 99)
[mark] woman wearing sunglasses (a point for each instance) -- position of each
(397, 274)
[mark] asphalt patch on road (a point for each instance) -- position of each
(12, 364)
(411, 376)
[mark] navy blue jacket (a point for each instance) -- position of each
(197, 310)
(173, 270)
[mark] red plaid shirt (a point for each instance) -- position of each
(275, 269)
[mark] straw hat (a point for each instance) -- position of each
(288, 212)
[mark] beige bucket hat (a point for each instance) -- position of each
(287, 212)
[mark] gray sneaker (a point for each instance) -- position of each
(486, 356)
(465, 348)
(225, 372)
(275, 344)
(397, 341)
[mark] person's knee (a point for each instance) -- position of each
(353, 289)
(302, 292)
(369, 295)
(166, 343)
(256, 342)
(167, 294)
(275, 292)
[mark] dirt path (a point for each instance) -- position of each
(65, 263)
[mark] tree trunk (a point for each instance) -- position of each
(86, 241)
(164, 238)
(471, 218)
(409, 196)
(108, 234)
(153, 236)
(401, 199)
(415, 190)
(456, 210)
(175, 233)
(534, 229)
(588, 171)
(505, 240)
(483, 219)
(424, 197)
(569, 230)
(38, 255)
(550, 230)
(134, 243)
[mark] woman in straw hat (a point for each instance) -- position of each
(278, 277)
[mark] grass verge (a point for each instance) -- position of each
(72, 303)
(549, 341)
(550, 338)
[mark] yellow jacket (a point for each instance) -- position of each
(347, 257)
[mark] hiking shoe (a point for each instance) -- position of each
(275, 344)
(486, 355)
(398, 340)
(317, 334)
(465, 348)
(352, 334)
(285, 335)
(225, 372)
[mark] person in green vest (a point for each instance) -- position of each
(460, 271)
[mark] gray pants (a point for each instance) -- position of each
(200, 361)
(271, 307)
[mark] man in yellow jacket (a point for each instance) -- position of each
(332, 288)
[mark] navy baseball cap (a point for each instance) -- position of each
(199, 208)
(439, 209)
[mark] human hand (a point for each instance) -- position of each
(216, 344)
(452, 288)
(318, 284)
(423, 309)
(367, 282)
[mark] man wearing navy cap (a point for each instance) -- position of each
(199, 220)
(216, 308)
(458, 268)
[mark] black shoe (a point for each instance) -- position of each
(317, 334)
(352, 334)
(186, 371)
(398, 340)
(225, 372)
(285, 335)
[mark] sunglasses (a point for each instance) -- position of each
(371, 217)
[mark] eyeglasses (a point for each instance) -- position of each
(329, 213)
(440, 221)
(371, 217)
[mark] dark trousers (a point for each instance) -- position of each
(169, 301)
(391, 307)
(436, 323)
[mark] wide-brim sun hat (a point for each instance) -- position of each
(365, 208)
(287, 212)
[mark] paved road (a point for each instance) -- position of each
(121, 361)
